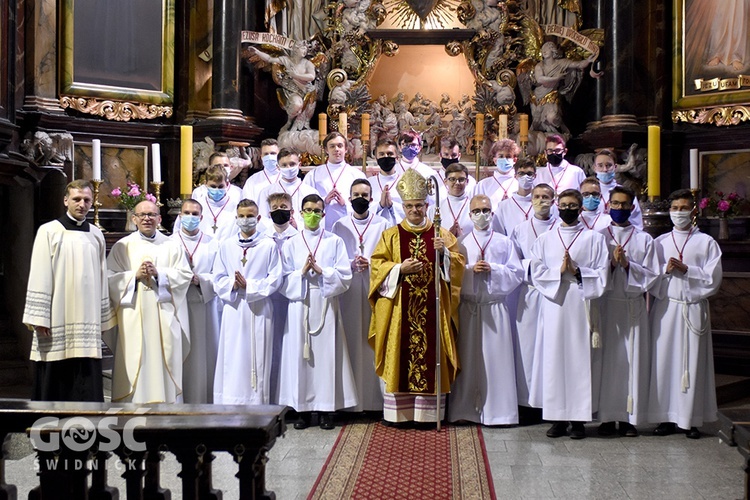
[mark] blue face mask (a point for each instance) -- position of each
(504, 165)
(620, 215)
(190, 222)
(590, 203)
(605, 177)
(216, 194)
(410, 152)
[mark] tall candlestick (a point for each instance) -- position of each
(342, 124)
(156, 160)
(502, 126)
(523, 123)
(654, 161)
(479, 132)
(322, 126)
(365, 126)
(693, 169)
(186, 160)
(96, 159)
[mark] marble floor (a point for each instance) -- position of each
(524, 463)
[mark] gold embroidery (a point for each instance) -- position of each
(416, 316)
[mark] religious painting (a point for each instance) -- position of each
(725, 171)
(120, 165)
(711, 53)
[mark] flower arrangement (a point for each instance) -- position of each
(723, 205)
(133, 196)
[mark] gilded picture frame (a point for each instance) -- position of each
(725, 171)
(121, 51)
(711, 61)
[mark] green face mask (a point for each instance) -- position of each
(312, 220)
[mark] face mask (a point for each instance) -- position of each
(620, 215)
(480, 220)
(360, 205)
(446, 162)
(681, 219)
(247, 224)
(542, 207)
(504, 165)
(269, 162)
(525, 182)
(605, 177)
(290, 173)
(216, 194)
(591, 203)
(190, 222)
(312, 220)
(281, 216)
(555, 159)
(410, 152)
(569, 215)
(386, 163)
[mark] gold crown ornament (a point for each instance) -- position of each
(412, 186)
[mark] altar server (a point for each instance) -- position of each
(288, 182)
(502, 183)
(593, 216)
(269, 151)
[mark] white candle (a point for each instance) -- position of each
(693, 169)
(156, 158)
(96, 159)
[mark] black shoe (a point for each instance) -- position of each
(326, 421)
(693, 433)
(577, 430)
(558, 429)
(304, 420)
(665, 429)
(607, 429)
(627, 429)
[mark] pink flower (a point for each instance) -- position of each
(704, 203)
(723, 206)
(134, 190)
(733, 197)
(116, 192)
(150, 197)
(720, 194)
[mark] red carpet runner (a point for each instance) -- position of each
(374, 461)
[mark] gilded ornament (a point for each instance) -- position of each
(720, 116)
(453, 48)
(111, 109)
(412, 186)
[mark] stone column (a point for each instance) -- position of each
(619, 56)
(225, 97)
(41, 56)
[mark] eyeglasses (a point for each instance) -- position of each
(416, 206)
(569, 206)
(620, 204)
(591, 194)
(478, 211)
(454, 180)
(147, 216)
(558, 151)
(312, 211)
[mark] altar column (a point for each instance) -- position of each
(225, 97)
(619, 55)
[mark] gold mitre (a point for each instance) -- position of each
(412, 186)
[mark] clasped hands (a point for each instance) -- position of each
(145, 271)
(311, 265)
(619, 258)
(568, 265)
(335, 195)
(676, 265)
(360, 264)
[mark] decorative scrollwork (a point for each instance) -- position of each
(336, 77)
(454, 48)
(465, 12)
(121, 111)
(721, 116)
(506, 77)
(390, 48)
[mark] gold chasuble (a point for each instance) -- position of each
(402, 328)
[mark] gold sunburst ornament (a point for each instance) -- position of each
(421, 14)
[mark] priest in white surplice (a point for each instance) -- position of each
(248, 271)
(683, 390)
(361, 232)
(485, 389)
(626, 343)
(316, 374)
(67, 303)
(204, 307)
(569, 267)
(149, 276)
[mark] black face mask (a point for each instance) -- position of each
(386, 163)
(555, 159)
(448, 161)
(360, 205)
(281, 217)
(568, 215)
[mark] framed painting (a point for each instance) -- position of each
(120, 164)
(725, 171)
(711, 60)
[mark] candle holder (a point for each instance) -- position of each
(97, 204)
(524, 148)
(478, 161)
(157, 193)
(694, 192)
(365, 149)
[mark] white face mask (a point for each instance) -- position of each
(525, 182)
(480, 220)
(290, 173)
(247, 224)
(269, 162)
(682, 219)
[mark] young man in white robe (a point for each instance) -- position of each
(450, 153)
(502, 183)
(409, 147)
(528, 321)
(683, 391)
(387, 202)
(204, 307)
(333, 179)
(247, 272)
(569, 267)
(559, 173)
(219, 202)
(289, 183)
(485, 389)
(256, 183)
(454, 208)
(315, 373)
(149, 277)
(593, 216)
(220, 159)
(605, 166)
(67, 303)
(626, 343)
(361, 232)
(516, 209)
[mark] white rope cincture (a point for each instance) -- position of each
(685, 336)
(308, 332)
